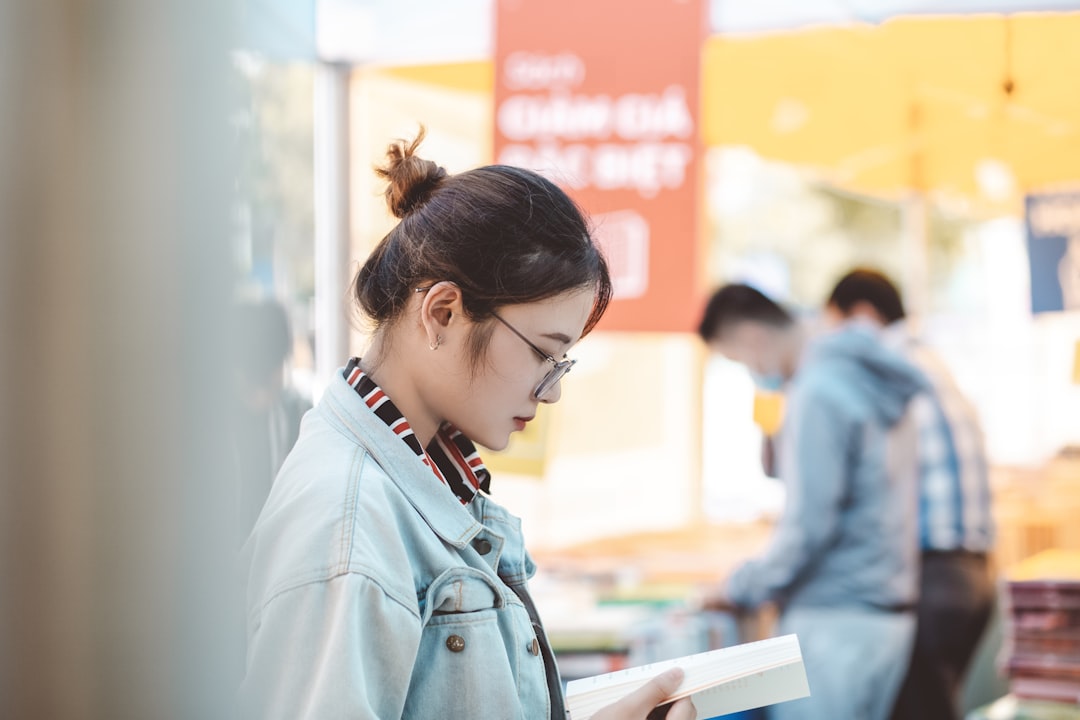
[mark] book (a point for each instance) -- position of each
(728, 680)
(1051, 689)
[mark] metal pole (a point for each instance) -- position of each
(916, 244)
(331, 220)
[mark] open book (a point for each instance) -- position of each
(722, 681)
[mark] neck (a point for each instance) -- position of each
(393, 374)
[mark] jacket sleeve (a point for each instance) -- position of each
(814, 454)
(338, 648)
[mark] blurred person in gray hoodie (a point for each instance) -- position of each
(842, 563)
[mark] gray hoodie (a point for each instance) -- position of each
(848, 535)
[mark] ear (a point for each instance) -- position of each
(441, 304)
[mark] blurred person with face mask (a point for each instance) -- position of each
(841, 565)
(955, 525)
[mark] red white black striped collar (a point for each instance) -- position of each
(452, 457)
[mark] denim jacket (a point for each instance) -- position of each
(374, 593)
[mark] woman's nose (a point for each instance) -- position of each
(552, 394)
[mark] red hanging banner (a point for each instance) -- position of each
(602, 97)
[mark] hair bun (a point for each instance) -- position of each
(412, 179)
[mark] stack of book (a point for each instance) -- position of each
(1043, 654)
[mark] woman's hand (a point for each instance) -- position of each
(640, 703)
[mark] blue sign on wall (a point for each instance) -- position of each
(1053, 230)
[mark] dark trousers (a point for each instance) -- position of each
(955, 602)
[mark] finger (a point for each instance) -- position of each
(682, 710)
(653, 693)
(659, 712)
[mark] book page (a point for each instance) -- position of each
(733, 678)
(778, 685)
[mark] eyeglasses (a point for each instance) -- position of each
(559, 368)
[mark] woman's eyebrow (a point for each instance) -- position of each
(558, 337)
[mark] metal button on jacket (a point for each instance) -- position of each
(534, 647)
(455, 643)
(482, 546)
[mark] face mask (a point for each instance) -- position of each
(769, 382)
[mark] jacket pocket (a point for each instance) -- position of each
(466, 665)
(460, 590)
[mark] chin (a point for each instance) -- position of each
(497, 443)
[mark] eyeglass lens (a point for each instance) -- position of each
(554, 375)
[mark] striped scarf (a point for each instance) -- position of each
(450, 455)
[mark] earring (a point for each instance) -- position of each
(435, 345)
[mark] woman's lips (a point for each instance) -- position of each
(520, 422)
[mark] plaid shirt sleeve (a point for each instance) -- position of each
(954, 494)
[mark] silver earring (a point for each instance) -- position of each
(435, 345)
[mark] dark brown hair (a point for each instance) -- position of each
(869, 286)
(738, 303)
(503, 234)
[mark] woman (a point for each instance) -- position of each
(384, 583)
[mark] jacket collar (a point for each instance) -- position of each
(450, 520)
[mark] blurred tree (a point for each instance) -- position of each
(794, 234)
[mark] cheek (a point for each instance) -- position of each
(500, 389)
(511, 370)
(759, 366)
(504, 390)
(485, 413)
(764, 354)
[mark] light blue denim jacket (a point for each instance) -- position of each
(372, 592)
